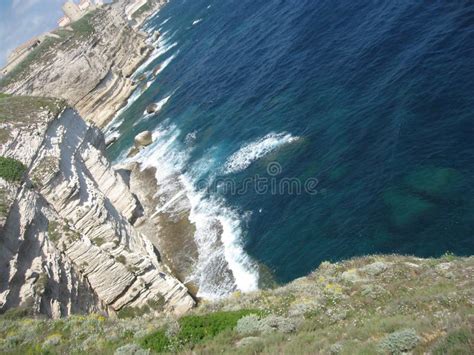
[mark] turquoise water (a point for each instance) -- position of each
(370, 101)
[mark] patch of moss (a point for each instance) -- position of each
(11, 169)
(3, 203)
(98, 241)
(121, 259)
(54, 233)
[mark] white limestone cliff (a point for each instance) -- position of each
(68, 244)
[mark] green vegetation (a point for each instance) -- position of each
(83, 27)
(459, 341)
(11, 169)
(121, 259)
(145, 7)
(370, 305)
(194, 329)
(4, 203)
(24, 110)
(56, 230)
(3, 95)
(45, 51)
(44, 171)
(152, 305)
(99, 241)
(54, 233)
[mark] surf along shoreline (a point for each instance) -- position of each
(95, 66)
(201, 245)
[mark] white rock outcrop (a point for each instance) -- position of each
(68, 244)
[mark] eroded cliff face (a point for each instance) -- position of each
(68, 244)
(89, 64)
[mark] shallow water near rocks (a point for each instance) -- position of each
(375, 100)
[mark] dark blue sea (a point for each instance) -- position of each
(305, 131)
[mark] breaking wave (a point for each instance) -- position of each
(251, 152)
(223, 266)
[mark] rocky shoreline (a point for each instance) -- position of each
(90, 64)
(74, 235)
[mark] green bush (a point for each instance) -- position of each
(194, 329)
(17, 313)
(11, 169)
(198, 327)
(399, 342)
(157, 341)
(273, 323)
(248, 325)
(460, 341)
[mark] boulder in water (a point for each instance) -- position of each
(156, 70)
(143, 139)
(156, 35)
(152, 108)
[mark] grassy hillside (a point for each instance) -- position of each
(370, 305)
(61, 39)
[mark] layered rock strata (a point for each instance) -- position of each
(68, 244)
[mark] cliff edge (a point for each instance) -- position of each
(67, 241)
(89, 64)
(371, 305)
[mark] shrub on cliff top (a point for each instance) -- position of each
(399, 342)
(194, 329)
(11, 169)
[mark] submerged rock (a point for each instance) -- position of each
(406, 209)
(436, 182)
(143, 139)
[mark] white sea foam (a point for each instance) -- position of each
(195, 22)
(165, 21)
(163, 47)
(110, 130)
(219, 247)
(165, 64)
(223, 266)
(251, 152)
